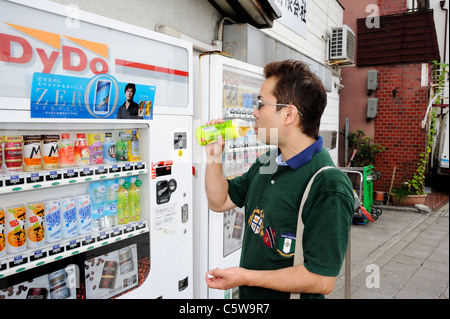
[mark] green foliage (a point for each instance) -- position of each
(365, 147)
(402, 191)
(416, 185)
(442, 78)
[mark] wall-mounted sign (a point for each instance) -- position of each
(294, 14)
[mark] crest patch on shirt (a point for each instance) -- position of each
(256, 222)
(286, 246)
(269, 237)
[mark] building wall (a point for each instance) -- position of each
(195, 18)
(391, 7)
(354, 98)
(398, 123)
(321, 16)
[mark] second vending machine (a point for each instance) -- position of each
(230, 90)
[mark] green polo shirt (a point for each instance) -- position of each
(271, 193)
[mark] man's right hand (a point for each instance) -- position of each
(214, 150)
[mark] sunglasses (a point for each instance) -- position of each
(260, 104)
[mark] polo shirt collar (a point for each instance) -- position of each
(303, 157)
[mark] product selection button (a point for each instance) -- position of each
(88, 240)
(73, 244)
(86, 171)
(101, 170)
(139, 165)
(55, 249)
(53, 175)
(116, 232)
(35, 177)
(102, 236)
(127, 167)
(13, 180)
(38, 254)
(70, 173)
(128, 228)
(18, 260)
(115, 168)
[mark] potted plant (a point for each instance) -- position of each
(406, 195)
(362, 147)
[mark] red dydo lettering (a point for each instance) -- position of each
(73, 59)
(47, 62)
(5, 49)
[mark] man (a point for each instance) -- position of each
(129, 109)
(291, 102)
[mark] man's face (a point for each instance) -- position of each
(268, 119)
(129, 94)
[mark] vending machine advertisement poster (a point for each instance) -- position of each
(110, 274)
(100, 97)
(85, 71)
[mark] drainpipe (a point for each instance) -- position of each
(442, 4)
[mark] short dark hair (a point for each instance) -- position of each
(297, 85)
(130, 86)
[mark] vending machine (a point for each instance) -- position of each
(95, 157)
(229, 90)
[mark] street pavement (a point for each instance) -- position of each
(402, 255)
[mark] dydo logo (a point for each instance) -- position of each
(229, 79)
(16, 49)
(19, 50)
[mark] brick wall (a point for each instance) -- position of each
(398, 123)
(390, 7)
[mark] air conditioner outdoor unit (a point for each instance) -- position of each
(342, 45)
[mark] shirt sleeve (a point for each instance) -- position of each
(237, 189)
(238, 186)
(327, 218)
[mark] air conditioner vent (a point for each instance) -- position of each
(342, 45)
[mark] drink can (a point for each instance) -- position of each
(35, 224)
(16, 235)
(69, 217)
(31, 153)
(102, 97)
(1, 151)
(12, 154)
(125, 260)
(66, 151)
(2, 233)
(58, 285)
(109, 273)
(95, 142)
(53, 231)
(50, 153)
(83, 211)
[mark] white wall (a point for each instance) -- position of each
(321, 16)
(439, 21)
(196, 18)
